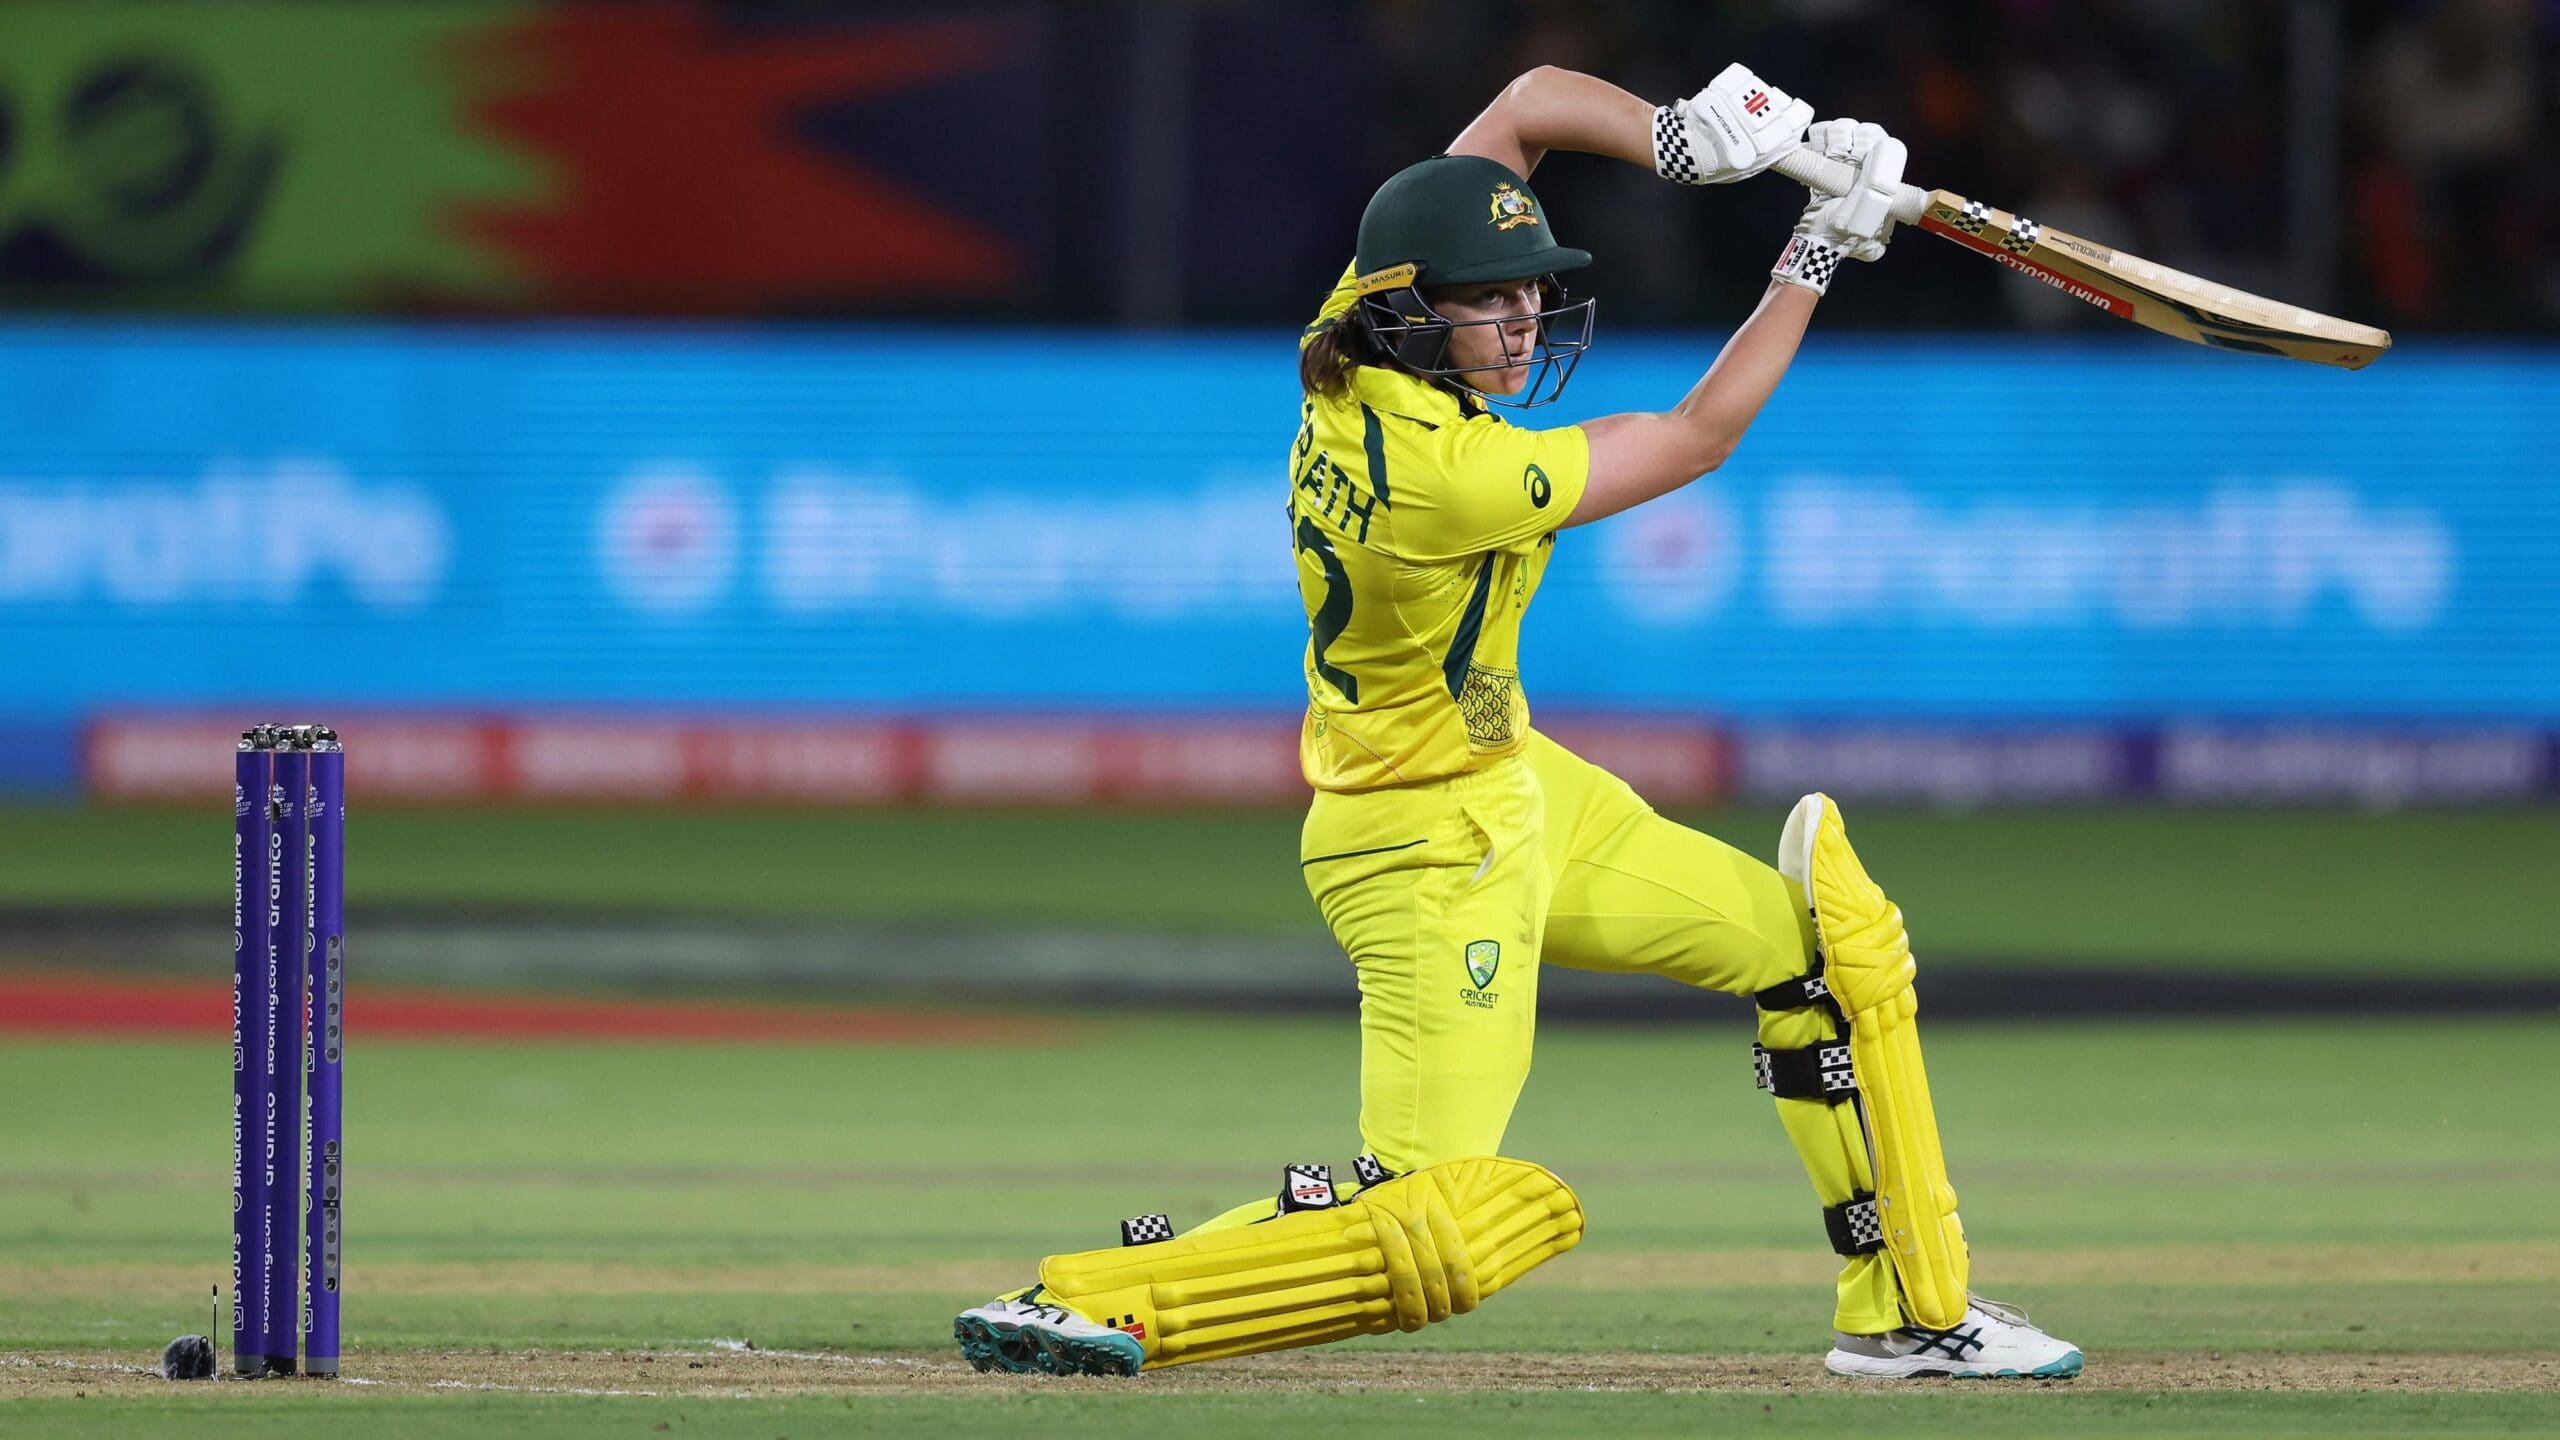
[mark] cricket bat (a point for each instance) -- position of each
(2125, 286)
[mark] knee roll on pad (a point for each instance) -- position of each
(1404, 1254)
(1864, 952)
(1866, 971)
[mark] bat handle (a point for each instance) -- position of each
(1810, 167)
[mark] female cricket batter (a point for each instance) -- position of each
(1453, 849)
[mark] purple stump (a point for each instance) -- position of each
(326, 809)
(290, 915)
(252, 943)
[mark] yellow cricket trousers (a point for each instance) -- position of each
(1449, 896)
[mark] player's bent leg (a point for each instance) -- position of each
(1869, 1072)
(1438, 896)
(1864, 982)
(1404, 1253)
(1639, 893)
(1831, 1141)
(1030, 1329)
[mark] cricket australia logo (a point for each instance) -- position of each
(1511, 209)
(1483, 957)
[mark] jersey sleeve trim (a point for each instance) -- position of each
(1345, 292)
(1374, 441)
(1462, 646)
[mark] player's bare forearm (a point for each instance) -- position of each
(1746, 372)
(1554, 109)
(1636, 457)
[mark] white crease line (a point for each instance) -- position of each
(719, 1347)
(748, 1347)
(478, 1385)
(23, 1363)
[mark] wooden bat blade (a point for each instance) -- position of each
(2172, 302)
(2169, 301)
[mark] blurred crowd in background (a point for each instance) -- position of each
(1163, 163)
(2376, 158)
(964, 562)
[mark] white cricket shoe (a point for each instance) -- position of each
(1024, 1332)
(1992, 1342)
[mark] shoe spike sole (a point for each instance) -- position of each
(1026, 1349)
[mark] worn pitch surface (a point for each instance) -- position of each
(731, 1370)
(2253, 1227)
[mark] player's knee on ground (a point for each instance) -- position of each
(1406, 1252)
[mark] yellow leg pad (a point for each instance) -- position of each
(1915, 1202)
(1866, 961)
(1414, 1250)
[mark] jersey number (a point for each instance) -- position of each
(1326, 625)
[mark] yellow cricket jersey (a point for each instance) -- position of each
(1422, 527)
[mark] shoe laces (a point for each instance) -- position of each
(1041, 1309)
(2005, 1313)
(1968, 1333)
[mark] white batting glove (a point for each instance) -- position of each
(1735, 128)
(1853, 226)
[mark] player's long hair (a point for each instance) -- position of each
(1345, 342)
(1339, 346)
(1342, 344)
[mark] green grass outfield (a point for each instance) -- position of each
(2274, 1228)
(2300, 892)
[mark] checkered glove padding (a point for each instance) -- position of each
(1735, 128)
(1807, 262)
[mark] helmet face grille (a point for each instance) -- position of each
(1401, 323)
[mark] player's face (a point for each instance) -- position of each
(1509, 345)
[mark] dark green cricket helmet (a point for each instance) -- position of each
(1455, 220)
(1459, 218)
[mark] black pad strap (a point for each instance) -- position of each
(1146, 1229)
(1856, 1228)
(1369, 1172)
(1796, 994)
(1820, 1071)
(1307, 1187)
